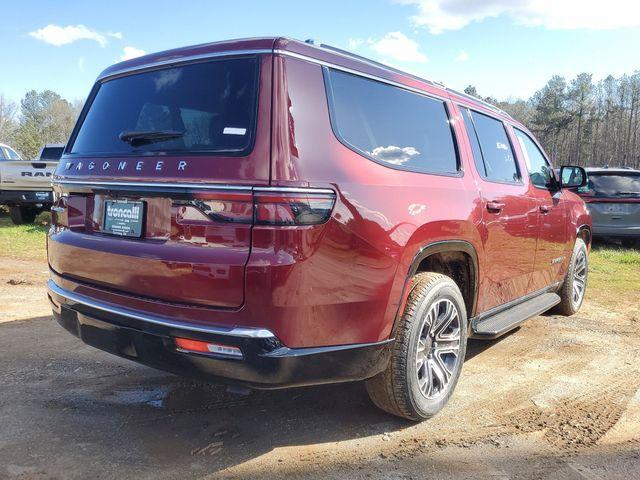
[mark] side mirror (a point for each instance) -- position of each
(572, 176)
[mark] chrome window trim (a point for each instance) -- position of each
(365, 75)
(156, 320)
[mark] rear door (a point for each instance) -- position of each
(509, 214)
(553, 245)
(156, 183)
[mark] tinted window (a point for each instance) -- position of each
(391, 125)
(51, 153)
(539, 169)
(499, 162)
(608, 185)
(209, 107)
(473, 139)
(3, 155)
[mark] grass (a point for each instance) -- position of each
(614, 274)
(25, 242)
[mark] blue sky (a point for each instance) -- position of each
(506, 48)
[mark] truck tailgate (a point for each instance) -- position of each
(25, 175)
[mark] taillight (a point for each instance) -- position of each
(299, 208)
(233, 207)
(273, 207)
(59, 215)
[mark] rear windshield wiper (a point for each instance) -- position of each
(142, 137)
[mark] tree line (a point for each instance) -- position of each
(578, 121)
(42, 117)
(583, 122)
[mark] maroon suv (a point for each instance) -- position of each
(272, 213)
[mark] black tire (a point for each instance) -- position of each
(568, 304)
(398, 390)
(21, 215)
(630, 243)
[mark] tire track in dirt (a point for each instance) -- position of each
(579, 421)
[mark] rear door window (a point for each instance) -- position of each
(391, 125)
(207, 107)
(498, 160)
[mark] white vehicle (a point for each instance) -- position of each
(25, 186)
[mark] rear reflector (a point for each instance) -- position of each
(197, 346)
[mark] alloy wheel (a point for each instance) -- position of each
(437, 352)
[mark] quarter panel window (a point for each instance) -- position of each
(540, 171)
(499, 161)
(390, 125)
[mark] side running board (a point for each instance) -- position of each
(506, 320)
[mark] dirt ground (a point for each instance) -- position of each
(558, 398)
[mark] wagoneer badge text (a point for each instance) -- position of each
(140, 165)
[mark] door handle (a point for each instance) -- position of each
(495, 207)
(545, 209)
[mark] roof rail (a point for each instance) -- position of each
(488, 105)
(355, 56)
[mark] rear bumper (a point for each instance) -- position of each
(266, 363)
(615, 231)
(26, 197)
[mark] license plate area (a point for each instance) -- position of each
(123, 217)
(616, 209)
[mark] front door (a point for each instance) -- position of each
(552, 251)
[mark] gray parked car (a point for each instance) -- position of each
(612, 196)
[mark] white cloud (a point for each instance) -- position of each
(58, 36)
(463, 56)
(397, 46)
(131, 52)
(393, 154)
(354, 43)
(442, 15)
(117, 35)
(81, 61)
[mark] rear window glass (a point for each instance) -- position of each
(613, 185)
(201, 107)
(391, 125)
(51, 153)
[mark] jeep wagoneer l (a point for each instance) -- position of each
(272, 213)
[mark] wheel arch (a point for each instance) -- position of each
(443, 250)
(584, 231)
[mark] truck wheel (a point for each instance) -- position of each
(575, 283)
(21, 215)
(427, 355)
